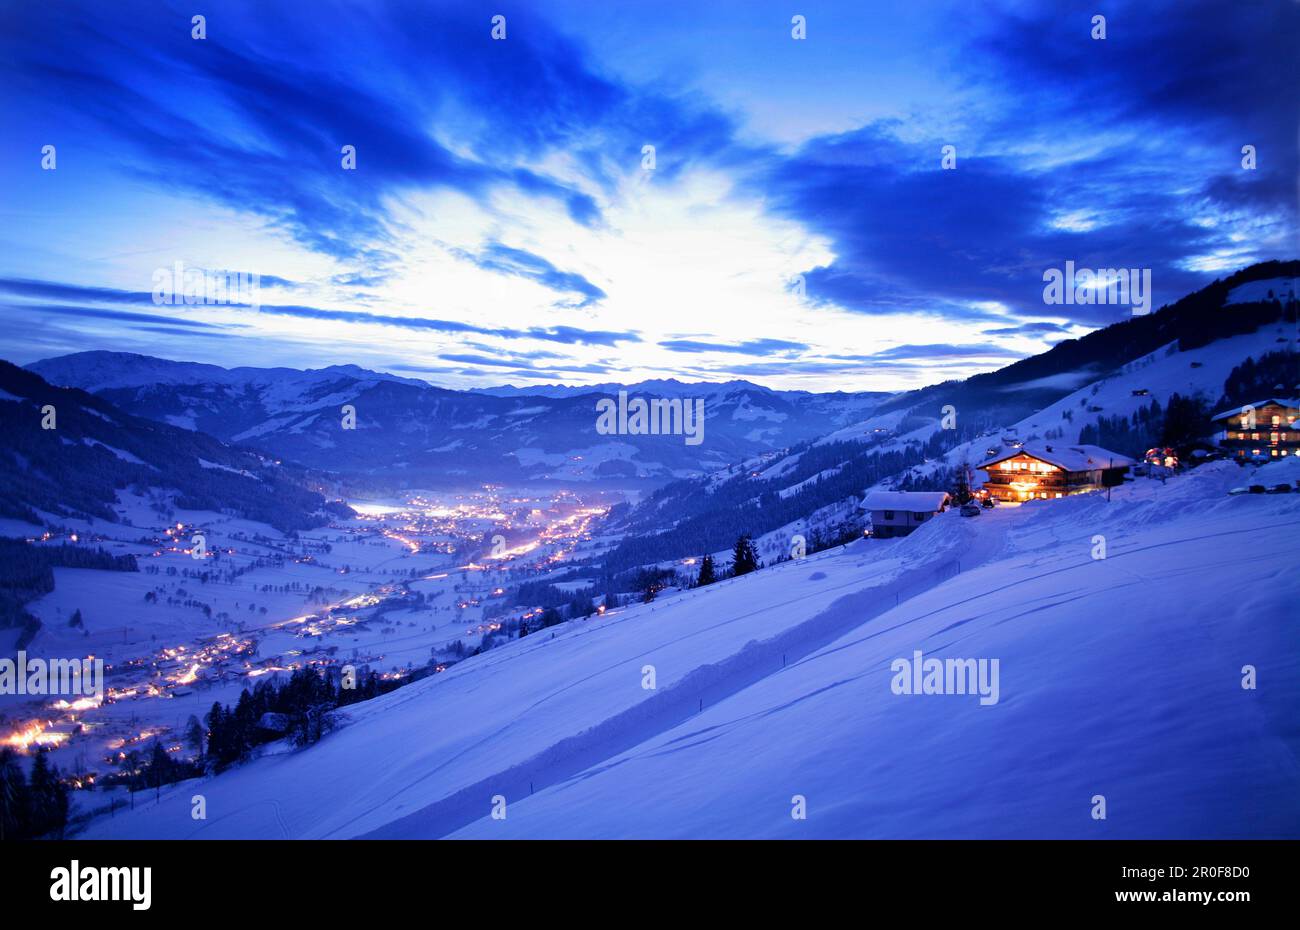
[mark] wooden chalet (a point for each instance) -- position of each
(1266, 429)
(1040, 470)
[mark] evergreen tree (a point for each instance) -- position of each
(159, 768)
(194, 734)
(218, 738)
(13, 796)
(650, 588)
(744, 559)
(708, 574)
(1186, 421)
(48, 799)
(961, 493)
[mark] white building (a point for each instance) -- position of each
(897, 513)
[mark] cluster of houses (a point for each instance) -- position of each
(1261, 431)
(1029, 471)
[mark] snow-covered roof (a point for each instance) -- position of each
(1070, 458)
(915, 501)
(1293, 403)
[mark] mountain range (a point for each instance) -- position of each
(247, 440)
(411, 432)
(70, 453)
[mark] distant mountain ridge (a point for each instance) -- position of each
(94, 450)
(661, 387)
(415, 432)
(101, 370)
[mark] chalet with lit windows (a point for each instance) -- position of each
(1266, 429)
(1037, 471)
(897, 513)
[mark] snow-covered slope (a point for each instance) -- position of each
(1119, 677)
(1153, 377)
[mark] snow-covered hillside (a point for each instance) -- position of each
(1119, 676)
(1156, 376)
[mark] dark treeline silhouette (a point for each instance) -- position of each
(31, 807)
(1181, 424)
(1254, 380)
(301, 709)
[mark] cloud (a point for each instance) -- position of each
(125, 316)
(488, 361)
(941, 350)
(567, 335)
(570, 335)
(524, 264)
(1122, 153)
(51, 290)
(1038, 328)
(177, 331)
(751, 347)
(245, 120)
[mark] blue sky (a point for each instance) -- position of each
(501, 224)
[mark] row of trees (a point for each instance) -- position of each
(744, 560)
(1181, 424)
(1255, 379)
(302, 709)
(304, 704)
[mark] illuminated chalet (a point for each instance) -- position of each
(1262, 430)
(1050, 471)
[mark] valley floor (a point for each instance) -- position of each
(1119, 678)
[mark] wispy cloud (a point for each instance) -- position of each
(750, 347)
(519, 163)
(524, 264)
